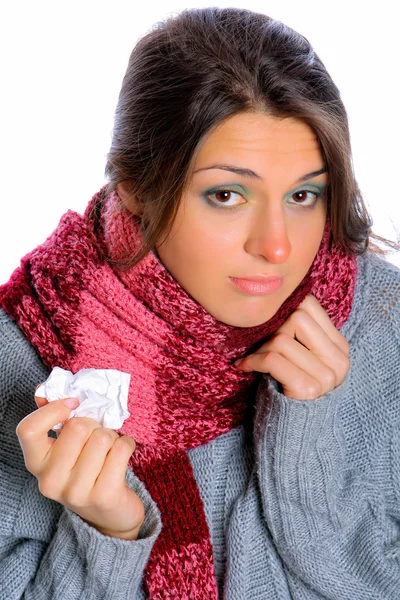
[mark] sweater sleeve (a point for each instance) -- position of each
(329, 474)
(47, 551)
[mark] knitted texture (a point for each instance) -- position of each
(78, 312)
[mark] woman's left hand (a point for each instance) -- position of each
(307, 355)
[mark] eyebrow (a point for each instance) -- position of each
(252, 175)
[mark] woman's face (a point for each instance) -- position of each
(251, 219)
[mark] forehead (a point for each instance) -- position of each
(259, 138)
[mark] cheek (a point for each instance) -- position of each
(204, 243)
(195, 253)
(306, 240)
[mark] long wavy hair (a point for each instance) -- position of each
(194, 70)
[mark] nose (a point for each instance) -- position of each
(269, 238)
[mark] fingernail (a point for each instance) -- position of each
(71, 402)
(238, 361)
(39, 391)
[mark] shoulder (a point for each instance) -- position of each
(383, 280)
(21, 370)
(376, 304)
(373, 331)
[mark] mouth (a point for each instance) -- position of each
(258, 285)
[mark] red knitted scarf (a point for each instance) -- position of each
(78, 311)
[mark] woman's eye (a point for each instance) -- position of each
(305, 197)
(225, 198)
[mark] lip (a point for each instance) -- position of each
(257, 285)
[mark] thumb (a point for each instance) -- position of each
(38, 399)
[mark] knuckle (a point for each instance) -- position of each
(133, 445)
(345, 345)
(281, 340)
(311, 394)
(122, 446)
(31, 465)
(300, 317)
(309, 300)
(103, 437)
(329, 379)
(104, 499)
(344, 364)
(342, 369)
(311, 390)
(265, 361)
(271, 358)
(48, 487)
(77, 426)
(74, 496)
(126, 442)
(24, 430)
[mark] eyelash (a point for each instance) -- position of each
(224, 206)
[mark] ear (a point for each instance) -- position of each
(127, 198)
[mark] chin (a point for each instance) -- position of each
(251, 323)
(244, 320)
(245, 312)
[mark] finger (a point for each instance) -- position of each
(314, 338)
(88, 465)
(329, 366)
(70, 443)
(302, 326)
(38, 399)
(304, 331)
(318, 368)
(296, 383)
(300, 357)
(32, 431)
(112, 475)
(311, 305)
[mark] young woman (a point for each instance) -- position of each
(228, 268)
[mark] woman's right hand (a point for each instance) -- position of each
(83, 469)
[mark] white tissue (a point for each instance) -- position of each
(102, 394)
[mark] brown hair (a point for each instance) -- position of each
(196, 69)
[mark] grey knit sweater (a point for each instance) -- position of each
(305, 506)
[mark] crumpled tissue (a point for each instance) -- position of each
(102, 394)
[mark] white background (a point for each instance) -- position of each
(61, 68)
